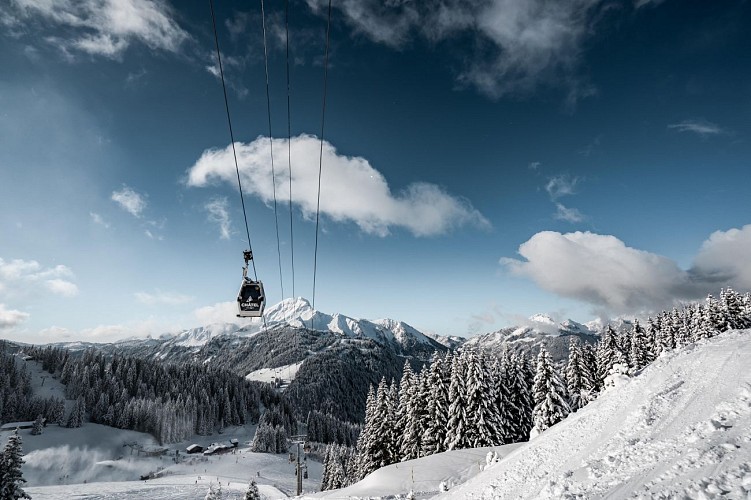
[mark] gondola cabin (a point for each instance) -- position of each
(250, 299)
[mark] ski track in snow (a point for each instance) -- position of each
(681, 429)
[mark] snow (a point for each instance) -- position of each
(423, 475)
(680, 429)
(286, 373)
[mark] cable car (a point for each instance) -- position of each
(250, 299)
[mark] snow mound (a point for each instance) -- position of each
(681, 429)
(423, 476)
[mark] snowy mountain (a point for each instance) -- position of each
(539, 328)
(335, 357)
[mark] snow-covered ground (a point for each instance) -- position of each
(422, 476)
(681, 429)
(285, 373)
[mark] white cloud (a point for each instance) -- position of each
(218, 214)
(19, 277)
(97, 219)
(603, 271)
(10, 318)
(163, 298)
(567, 214)
(561, 185)
(519, 44)
(351, 190)
(700, 127)
(108, 27)
(221, 312)
(725, 258)
(62, 287)
(130, 201)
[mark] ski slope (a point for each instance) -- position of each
(681, 429)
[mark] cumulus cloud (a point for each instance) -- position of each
(107, 27)
(19, 277)
(162, 298)
(519, 44)
(701, 127)
(130, 201)
(219, 215)
(725, 258)
(603, 271)
(10, 318)
(351, 190)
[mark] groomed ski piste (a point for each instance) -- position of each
(679, 429)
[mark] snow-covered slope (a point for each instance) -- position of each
(681, 429)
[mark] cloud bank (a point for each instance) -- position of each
(351, 189)
(516, 45)
(601, 270)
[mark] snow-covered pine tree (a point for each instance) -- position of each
(326, 469)
(549, 394)
(521, 402)
(38, 425)
(503, 399)
(456, 427)
(252, 492)
(380, 447)
(214, 493)
(77, 413)
(11, 476)
(608, 353)
(408, 387)
(483, 413)
(577, 381)
(392, 438)
(639, 349)
(732, 306)
(434, 435)
(365, 461)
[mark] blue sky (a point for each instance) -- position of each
(483, 161)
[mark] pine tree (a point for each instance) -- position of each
(252, 492)
(576, 381)
(77, 413)
(549, 394)
(456, 427)
(434, 435)
(38, 425)
(365, 457)
(520, 404)
(639, 349)
(483, 414)
(11, 477)
(405, 413)
(214, 493)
